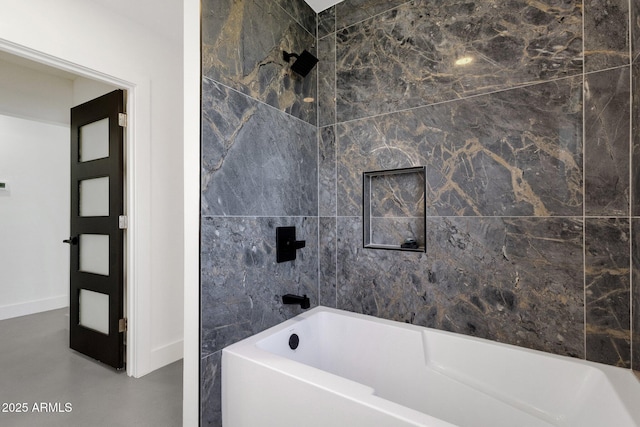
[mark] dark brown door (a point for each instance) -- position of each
(97, 261)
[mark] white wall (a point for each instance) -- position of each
(34, 216)
(81, 35)
(32, 94)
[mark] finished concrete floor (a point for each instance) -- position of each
(37, 366)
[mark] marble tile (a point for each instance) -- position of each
(514, 280)
(606, 34)
(255, 160)
(327, 273)
(408, 57)
(607, 291)
(241, 283)
(635, 292)
(301, 12)
(635, 140)
(349, 12)
(606, 99)
(373, 281)
(210, 391)
(327, 22)
(635, 29)
(511, 153)
(242, 44)
(327, 171)
(327, 81)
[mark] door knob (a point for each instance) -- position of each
(71, 240)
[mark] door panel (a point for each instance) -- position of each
(94, 254)
(97, 261)
(94, 140)
(94, 197)
(94, 311)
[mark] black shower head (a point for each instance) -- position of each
(304, 62)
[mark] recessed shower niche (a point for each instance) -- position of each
(394, 209)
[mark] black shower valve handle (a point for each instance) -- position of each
(295, 244)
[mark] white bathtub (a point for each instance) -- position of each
(351, 370)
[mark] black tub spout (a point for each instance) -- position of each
(303, 301)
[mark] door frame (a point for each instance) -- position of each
(134, 242)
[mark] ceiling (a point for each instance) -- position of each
(27, 63)
(320, 5)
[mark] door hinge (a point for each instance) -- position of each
(122, 325)
(123, 222)
(122, 119)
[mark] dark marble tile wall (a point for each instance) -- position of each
(256, 160)
(635, 301)
(353, 11)
(242, 44)
(480, 276)
(607, 103)
(327, 80)
(301, 12)
(327, 22)
(635, 138)
(327, 171)
(606, 38)
(241, 281)
(410, 56)
(327, 275)
(608, 328)
(527, 148)
(635, 28)
(510, 153)
(259, 164)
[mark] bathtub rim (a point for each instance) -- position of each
(625, 383)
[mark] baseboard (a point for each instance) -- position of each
(32, 307)
(165, 355)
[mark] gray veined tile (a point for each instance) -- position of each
(515, 280)
(327, 276)
(511, 153)
(242, 284)
(327, 171)
(423, 52)
(327, 22)
(349, 12)
(606, 34)
(607, 187)
(301, 12)
(255, 160)
(327, 81)
(608, 328)
(635, 292)
(210, 390)
(242, 44)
